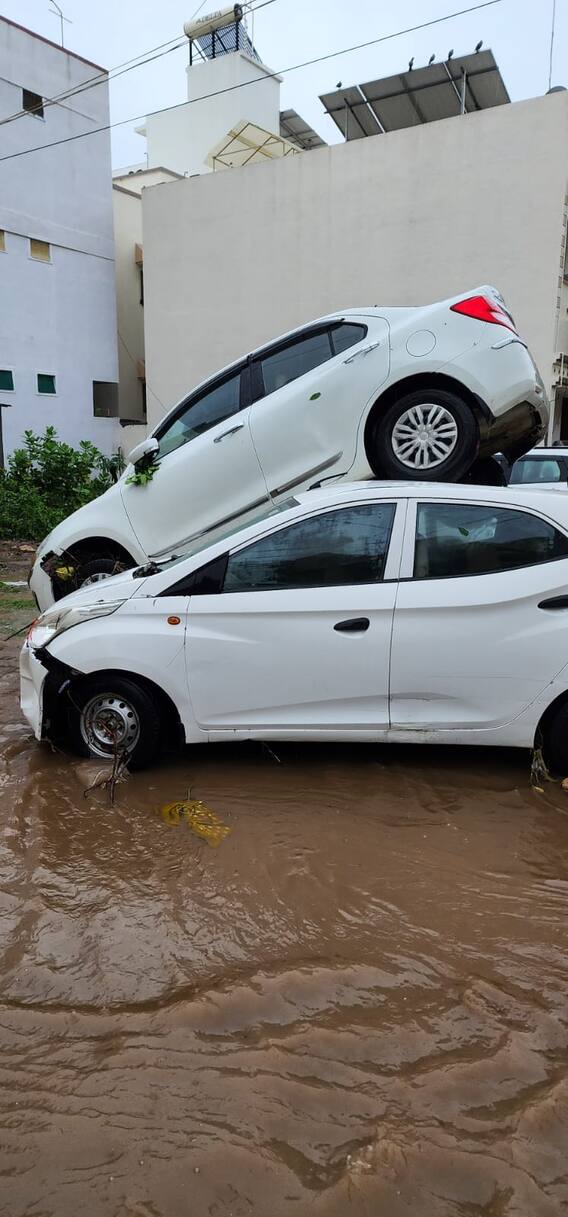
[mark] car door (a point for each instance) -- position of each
(476, 637)
(309, 396)
(208, 471)
(297, 642)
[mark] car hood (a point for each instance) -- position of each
(117, 587)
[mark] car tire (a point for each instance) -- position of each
(556, 742)
(103, 703)
(97, 569)
(397, 433)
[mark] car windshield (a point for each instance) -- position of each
(213, 535)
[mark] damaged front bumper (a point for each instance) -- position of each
(43, 679)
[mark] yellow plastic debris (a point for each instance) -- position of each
(201, 819)
(65, 573)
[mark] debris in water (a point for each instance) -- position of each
(201, 819)
(539, 771)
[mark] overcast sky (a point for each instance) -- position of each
(290, 31)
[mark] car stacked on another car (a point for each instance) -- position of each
(427, 613)
(371, 391)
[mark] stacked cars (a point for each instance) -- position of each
(268, 592)
(384, 392)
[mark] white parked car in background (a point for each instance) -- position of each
(394, 392)
(405, 612)
(545, 468)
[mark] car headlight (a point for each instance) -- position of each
(54, 621)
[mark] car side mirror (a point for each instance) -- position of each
(148, 447)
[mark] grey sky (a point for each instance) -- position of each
(290, 31)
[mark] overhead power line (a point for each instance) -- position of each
(123, 122)
(129, 65)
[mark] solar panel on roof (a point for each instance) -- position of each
(423, 95)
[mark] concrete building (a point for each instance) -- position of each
(405, 217)
(129, 261)
(231, 117)
(58, 347)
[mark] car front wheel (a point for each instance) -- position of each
(113, 715)
(430, 435)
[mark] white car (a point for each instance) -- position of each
(405, 612)
(394, 392)
(545, 468)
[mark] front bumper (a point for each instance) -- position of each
(41, 586)
(32, 686)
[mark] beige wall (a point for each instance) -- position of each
(127, 209)
(234, 259)
(130, 314)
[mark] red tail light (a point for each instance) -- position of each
(483, 308)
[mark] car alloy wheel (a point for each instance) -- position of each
(424, 436)
(109, 724)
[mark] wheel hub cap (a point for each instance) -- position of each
(424, 436)
(109, 725)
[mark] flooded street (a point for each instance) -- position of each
(356, 1004)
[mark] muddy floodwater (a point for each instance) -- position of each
(357, 1004)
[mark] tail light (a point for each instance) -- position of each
(483, 308)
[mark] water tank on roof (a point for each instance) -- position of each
(213, 21)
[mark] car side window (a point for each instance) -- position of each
(201, 413)
(281, 366)
(457, 539)
(530, 470)
(346, 334)
(344, 546)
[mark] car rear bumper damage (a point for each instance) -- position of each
(515, 432)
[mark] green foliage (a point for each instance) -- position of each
(144, 471)
(45, 480)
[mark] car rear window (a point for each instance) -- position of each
(533, 469)
(457, 539)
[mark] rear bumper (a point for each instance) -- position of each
(513, 433)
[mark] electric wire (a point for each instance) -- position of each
(265, 75)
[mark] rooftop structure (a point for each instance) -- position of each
(420, 95)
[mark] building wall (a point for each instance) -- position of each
(183, 137)
(234, 259)
(60, 316)
(130, 312)
(127, 206)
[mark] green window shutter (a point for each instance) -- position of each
(6, 381)
(45, 383)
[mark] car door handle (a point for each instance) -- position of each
(364, 351)
(555, 602)
(225, 435)
(353, 625)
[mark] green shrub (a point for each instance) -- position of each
(45, 480)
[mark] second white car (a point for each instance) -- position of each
(404, 612)
(390, 392)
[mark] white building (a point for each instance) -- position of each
(58, 343)
(434, 207)
(231, 117)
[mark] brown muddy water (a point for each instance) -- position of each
(357, 1004)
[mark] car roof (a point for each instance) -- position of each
(555, 450)
(450, 491)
